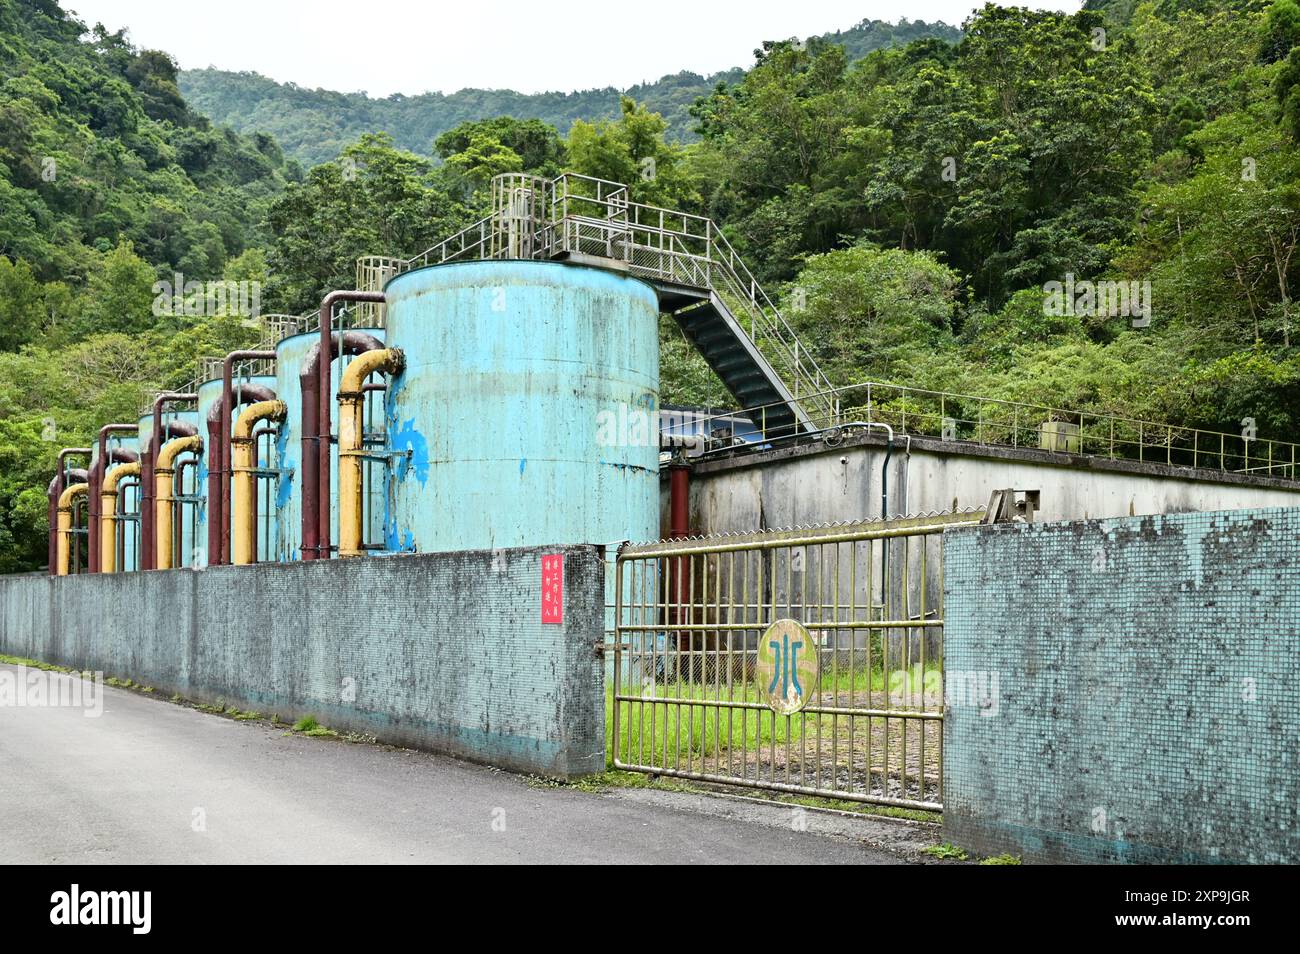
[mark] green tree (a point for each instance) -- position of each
(375, 200)
(867, 311)
(21, 305)
(632, 150)
(121, 296)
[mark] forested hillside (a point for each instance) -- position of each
(314, 124)
(909, 208)
(108, 181)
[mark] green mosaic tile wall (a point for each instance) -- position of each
(1125, 690)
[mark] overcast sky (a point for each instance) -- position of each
(414, 46)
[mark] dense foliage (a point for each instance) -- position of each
(108, 182)
(909, 205)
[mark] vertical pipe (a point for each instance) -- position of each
(148, 480)
(97, 478)
(679, 521)
(352, 398)
(324, 428)
(679, 499)
(108, 495)
(227, 410)
(178, 481)
(64, 554)
(52, 544)
(165, 495)
(309, 381)
(56, 490)
(244, 472)
(214, 487)
(146, 548)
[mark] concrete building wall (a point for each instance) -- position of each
(1125, 690)
(444, 651)
(820, 484)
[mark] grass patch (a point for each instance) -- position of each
(308, 725)
(681, 731)
(946, 852)
(247, 716)
(33, 664)
(1001, 860)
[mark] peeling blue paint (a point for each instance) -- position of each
(285, 484)
(406, 439)
(623, 465)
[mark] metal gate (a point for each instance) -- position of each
(806, 661)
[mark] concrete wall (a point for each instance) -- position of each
(818, 484)
(442, 651)
(1125, 690)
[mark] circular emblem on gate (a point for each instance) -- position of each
(787, 666)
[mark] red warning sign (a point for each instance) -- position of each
(553, 588)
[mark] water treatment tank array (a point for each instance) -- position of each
(508, 424)
(501, 390)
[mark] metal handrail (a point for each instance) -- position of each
(273, 332)
(574, 213)
(970, 418)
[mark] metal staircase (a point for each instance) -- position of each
(699, 278)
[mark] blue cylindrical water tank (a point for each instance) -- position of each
(291, 355)
(526, 413)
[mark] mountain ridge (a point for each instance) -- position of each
(314, 124)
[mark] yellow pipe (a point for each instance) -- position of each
(64, 555)
(164, 495)
(108, 514)
(352, 400)
(243, 547)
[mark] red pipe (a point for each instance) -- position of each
(96, 479)
(679, 526)
(219, 463)
(56, 488)
(214, 484)
(324, 418)
(149, 454)
(52, 492)
(227, 410)
(354, 343)
(679, 501)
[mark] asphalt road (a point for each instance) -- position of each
(150, 782)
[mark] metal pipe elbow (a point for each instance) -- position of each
(115, 476)
(66, 498)
(173, 449)
(252, 415)
(387, 360)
